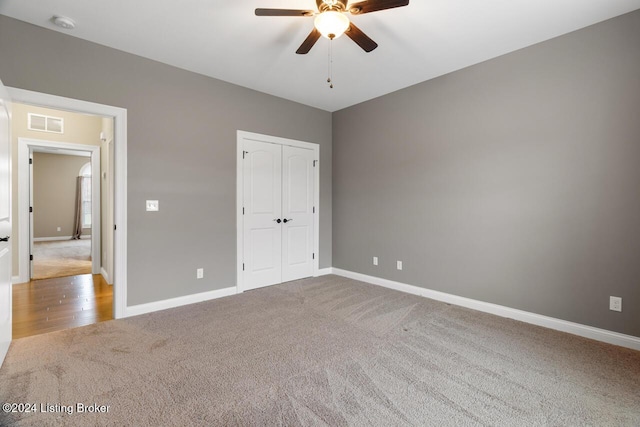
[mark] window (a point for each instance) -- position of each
(85, 195)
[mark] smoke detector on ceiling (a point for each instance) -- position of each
(63, 22)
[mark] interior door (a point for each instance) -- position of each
(5, 225)
(278, 213)
(297, 211)
(262, 219)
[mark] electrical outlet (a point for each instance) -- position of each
(399, 265)
(199, 273)
(59, 228)
(615, 303)
(375, 260)
(153, 206)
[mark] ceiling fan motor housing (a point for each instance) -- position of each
(337, 5)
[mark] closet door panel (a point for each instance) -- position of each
(262, 201)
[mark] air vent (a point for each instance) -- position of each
(43, 123)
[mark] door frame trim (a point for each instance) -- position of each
(6, 332)
(25, 194)
(241, 136)
(120, 185)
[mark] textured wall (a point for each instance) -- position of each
(515, 181)
(181, 150)
(54, 193)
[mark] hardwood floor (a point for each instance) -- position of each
(49, 305)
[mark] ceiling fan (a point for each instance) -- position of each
(331, 21)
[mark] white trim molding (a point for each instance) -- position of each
(591, 332)
(105, 276)
(120, 198)
(150, 307)
(52, 239)
(59, 238)
(324, 271)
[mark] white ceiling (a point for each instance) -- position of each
(225, 40)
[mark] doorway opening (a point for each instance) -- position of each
(101, 215)
(64, 205)
(65, 233)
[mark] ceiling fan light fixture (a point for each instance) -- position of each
(331, 24)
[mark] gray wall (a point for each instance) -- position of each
(515, 181)
(181, 150)
(54, 193)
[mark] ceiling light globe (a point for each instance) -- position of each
(64, 22)
(331, 24)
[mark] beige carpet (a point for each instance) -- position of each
(61, 258)
(324, 351)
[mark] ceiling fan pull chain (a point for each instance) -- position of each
(329, 79)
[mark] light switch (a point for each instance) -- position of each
(153, 206)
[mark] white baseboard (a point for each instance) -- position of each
(4, 348)
(56, 238)
(598, 334)
(15, 280)
(51, 239)
(105, 276)
(136, 310)
(324, 271)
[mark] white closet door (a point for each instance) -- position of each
(297, 211)
(262, 196)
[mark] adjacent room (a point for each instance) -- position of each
(61, 195)
(63, 253)
(379, 212)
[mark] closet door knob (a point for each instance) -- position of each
(287, 220)
(4, 239)
(279, 220)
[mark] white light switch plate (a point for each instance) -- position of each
(399, 265)
(153, 206)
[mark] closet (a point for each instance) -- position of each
(278, 209)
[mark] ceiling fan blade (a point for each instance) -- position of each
(375, 5)
(308, 43)
(361, 39)
(283, 12)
